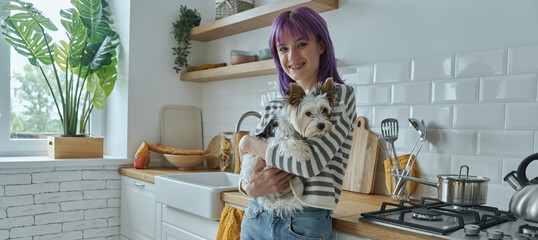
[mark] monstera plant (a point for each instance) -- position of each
(85, 66)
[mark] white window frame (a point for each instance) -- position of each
(26, 147)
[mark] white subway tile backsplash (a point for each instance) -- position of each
(389, 72)
(434, 116)
(505, 143)
(351, 78)
(481, 64)
(535, 142)
(479, 116)
(511, 164)
(430, 68)
(499, 195)
(366, 73)
(373, 94)
(365, 112)
(522, 116)
(489, 167)
(508, 88)
(452, 141)
(411, 93)
(401, 113)
(455, 91)
(431, 165)
(523, 59)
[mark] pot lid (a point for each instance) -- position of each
(459, 178)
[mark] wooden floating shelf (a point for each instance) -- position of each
(251, 69)
(255, 18)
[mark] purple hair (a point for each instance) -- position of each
(306, 22)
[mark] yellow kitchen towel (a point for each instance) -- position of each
(403, 161)
(230, 223)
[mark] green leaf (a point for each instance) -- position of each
(76, 32)
(90, 14)
(27, 42)
(99, 54)
(96, 91)
(107, 75)
(31, 16)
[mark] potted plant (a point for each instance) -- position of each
(85, 66)
(188, 18)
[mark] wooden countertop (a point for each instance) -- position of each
(345, 216)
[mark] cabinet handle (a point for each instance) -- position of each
(139, 184)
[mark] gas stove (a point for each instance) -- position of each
(444, 220)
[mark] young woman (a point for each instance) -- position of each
(303, 53)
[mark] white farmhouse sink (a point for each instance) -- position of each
(196, 193)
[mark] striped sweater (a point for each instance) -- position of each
(319, 179)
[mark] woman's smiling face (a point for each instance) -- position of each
(299, 57)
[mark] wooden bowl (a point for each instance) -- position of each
(185, 162)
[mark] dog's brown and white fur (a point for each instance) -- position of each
(305, 115)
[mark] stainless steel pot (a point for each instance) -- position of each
(462, 190)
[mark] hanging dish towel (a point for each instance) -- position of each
(230, 223)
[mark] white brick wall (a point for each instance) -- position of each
(480, 107)
(60, 203)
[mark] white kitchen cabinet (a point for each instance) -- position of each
(177, 224)
(138, 209)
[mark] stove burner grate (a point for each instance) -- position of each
(435, 216)
(528, 230)
(426, 214)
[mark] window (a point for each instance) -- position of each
(27, 110)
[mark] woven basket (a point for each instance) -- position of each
(225, 8)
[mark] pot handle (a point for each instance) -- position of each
(419, 180)
(462, 167)
(522, 170)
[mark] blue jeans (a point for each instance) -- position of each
(309, 224)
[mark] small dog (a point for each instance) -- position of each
(305, 115)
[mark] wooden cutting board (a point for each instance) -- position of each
(361, 167)
(214, 151)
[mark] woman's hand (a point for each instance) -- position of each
(263, 182)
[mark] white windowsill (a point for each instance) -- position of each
(44, 161)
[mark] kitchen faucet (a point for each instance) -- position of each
(238, 135)
(245, 115)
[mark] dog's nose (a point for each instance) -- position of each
(321, 126)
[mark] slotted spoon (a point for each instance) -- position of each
(389, 132)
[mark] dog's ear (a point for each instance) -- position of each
(328, 89)
(296, 93)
